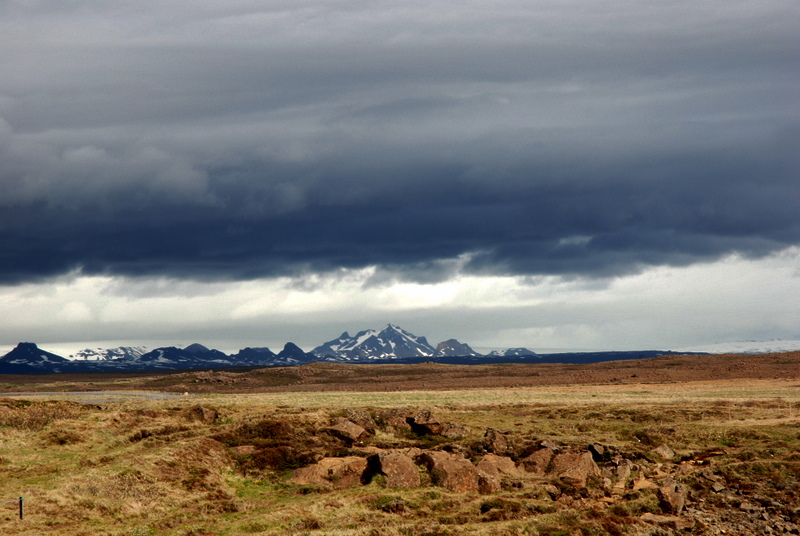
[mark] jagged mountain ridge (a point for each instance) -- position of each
(29, 359)
(389, 343)
(392, 343)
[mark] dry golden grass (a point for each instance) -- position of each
(144, 467)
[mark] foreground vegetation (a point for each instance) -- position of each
(223, 464)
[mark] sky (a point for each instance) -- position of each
(558, 174)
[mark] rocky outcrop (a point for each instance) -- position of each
(398, 469)
(497, 465)
(574, 468)
(332, 473)
(349, 432)
(495, 442)
(664, 452)
(537, 462)
(362, 418)
(491, 470)
(425, 423)
(672, 496)
(450, 471)
(393, 418)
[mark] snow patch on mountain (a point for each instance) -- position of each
(109, 354)
(454, 348)
(746, 347)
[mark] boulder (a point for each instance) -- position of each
(399, 469)
(349, 432)
(424, 423)
(497, 465)
(495, 442)
(488, 483)
(574, 468)
(393, 418)
(362, 418)
(664, 452)
(672, 496)
(450, 471)
(622, 473)
(538, 462)
(332, 473)
(548, 444)
(600, 453)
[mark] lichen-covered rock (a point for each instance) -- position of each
(399, 469)
(450, 471)
(332, 473)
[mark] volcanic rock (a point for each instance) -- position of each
(399, 469)
(494, 441)
(349, 431)
(450, 471)
(538, 462)
(332, 473)
(574, 468)
(497, 465)
(672, 496)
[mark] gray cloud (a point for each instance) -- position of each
(237, 141)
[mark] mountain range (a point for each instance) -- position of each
(392, 344)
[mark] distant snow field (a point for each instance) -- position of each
(746, 347)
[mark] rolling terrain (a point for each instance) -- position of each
(672, 445)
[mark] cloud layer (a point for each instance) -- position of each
(237, 140)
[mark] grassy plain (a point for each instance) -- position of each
(167, 467)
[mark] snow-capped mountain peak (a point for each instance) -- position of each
(389, 343)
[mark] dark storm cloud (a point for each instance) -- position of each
(239, 142)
